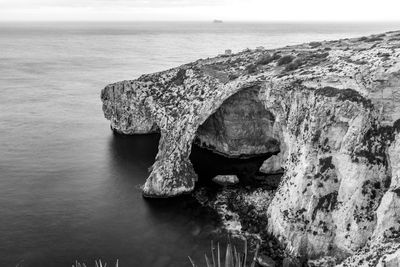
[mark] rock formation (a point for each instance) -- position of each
(272, 165)
(241, 127)
(332, 109)
(226, 180)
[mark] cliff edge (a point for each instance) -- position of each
(329, 110)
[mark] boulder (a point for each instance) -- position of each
(272, 165)
(226, 180)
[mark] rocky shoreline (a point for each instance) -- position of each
(242, 219)
(328, 111)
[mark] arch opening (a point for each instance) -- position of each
(236, 140)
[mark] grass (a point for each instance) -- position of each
(233, 258)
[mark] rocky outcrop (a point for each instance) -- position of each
(336, 173)
(125, 116)
(332, 110)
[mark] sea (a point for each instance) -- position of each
(69, 187)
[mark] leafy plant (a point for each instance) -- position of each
(233, 258)
(98, 264)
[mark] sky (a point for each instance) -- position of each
(199, 10)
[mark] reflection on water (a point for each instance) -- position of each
(172, 228)
(101, 213)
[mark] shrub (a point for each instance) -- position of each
(374, 39)
(294, 65)
(321, 55)
(179, 77)
(233, 76)
(315, 44)
(285, 60)
(396, 126)
(344, 94)
(251, 68)
(265, 59)
(276, 56)
(232, 257)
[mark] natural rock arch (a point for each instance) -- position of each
(240, 128)
(239, 136)
(175, 175)
(172, 173)
(335, 107)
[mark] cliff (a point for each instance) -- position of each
(331, 110)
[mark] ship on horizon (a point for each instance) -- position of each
(217, 21)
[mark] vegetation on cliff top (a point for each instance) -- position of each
(344, 94)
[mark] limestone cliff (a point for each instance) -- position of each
(241, 127)
(332, 109)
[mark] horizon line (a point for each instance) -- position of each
(211, 21)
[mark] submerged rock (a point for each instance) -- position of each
(332, 110)
(226, 180)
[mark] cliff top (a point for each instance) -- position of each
(368, 65)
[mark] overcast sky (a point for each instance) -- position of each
(234, 10)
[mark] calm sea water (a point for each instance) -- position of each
(68, 186)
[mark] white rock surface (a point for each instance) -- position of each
(272, 165)
(226, 180)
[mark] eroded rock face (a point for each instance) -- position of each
(241, 127)
(388, 213)
(336, 171)
(125, 116)
(333, 108)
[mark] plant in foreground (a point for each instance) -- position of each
(233, 258)
(98, 264)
